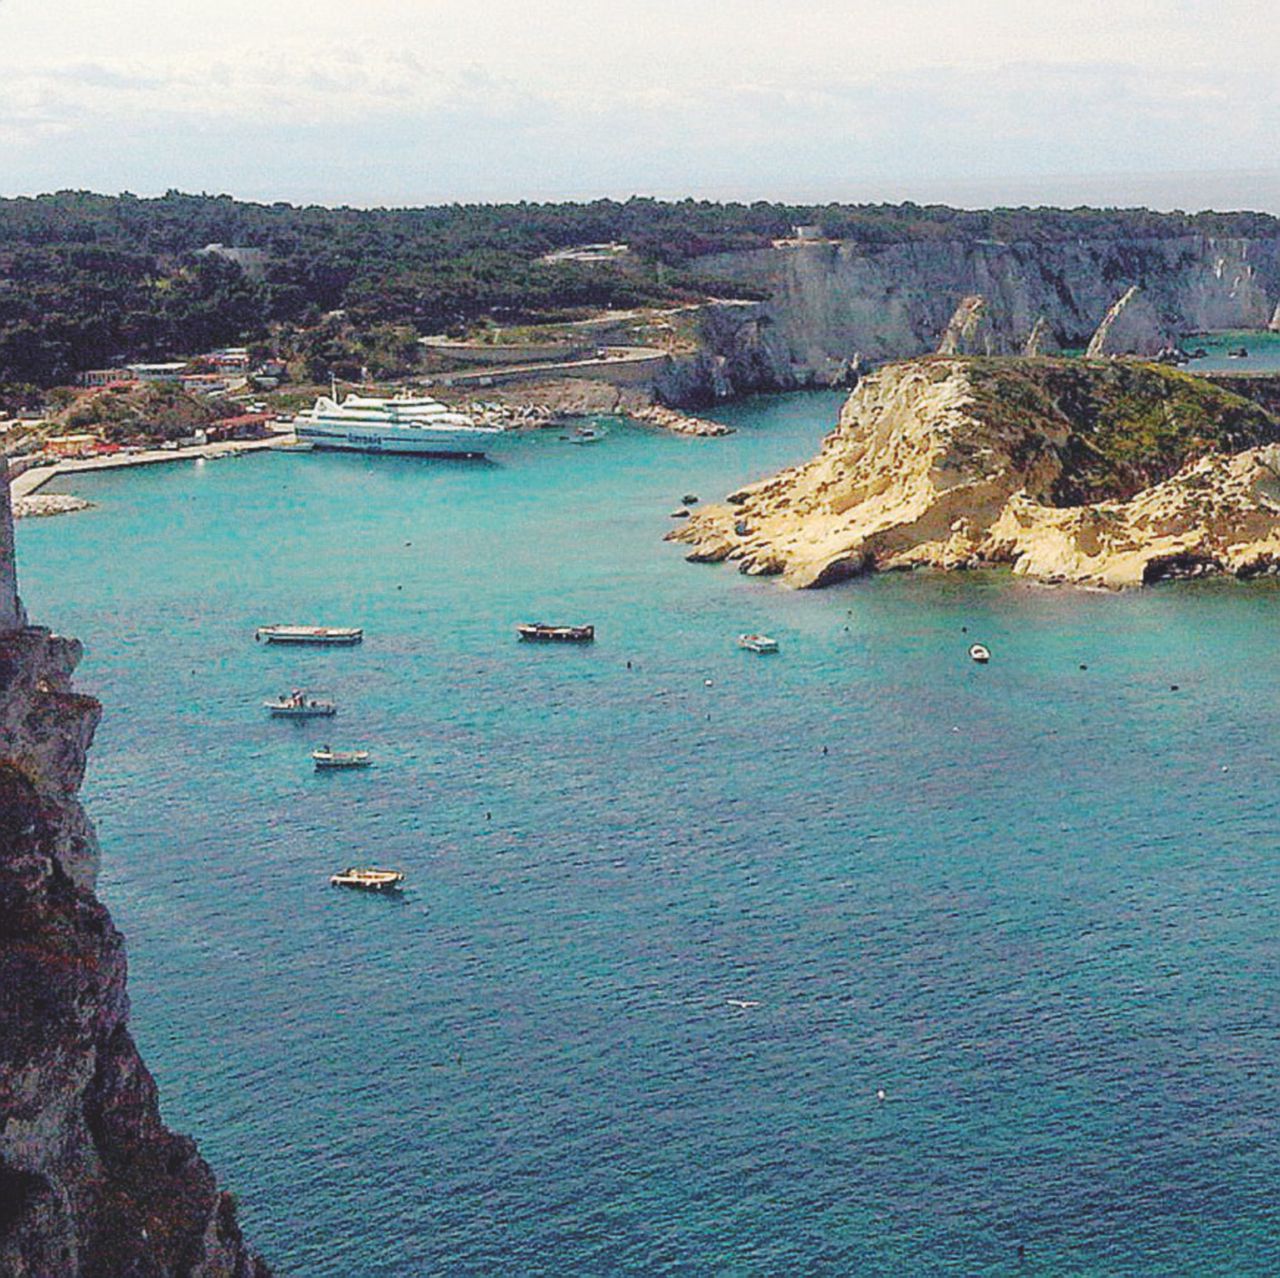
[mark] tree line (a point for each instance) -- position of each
(85, 278)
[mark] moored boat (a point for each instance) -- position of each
(309, 634)
(980, 653)
(757, 643)
(541, 632)
(327, 757)
(401, 424)
(587, 435)
(368, 879)
(300, 705)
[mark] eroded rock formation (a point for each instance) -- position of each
(92, 1184)
(962, 325)
(1106, 474)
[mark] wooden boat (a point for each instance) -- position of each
(309, 634)
(298, 705)
(329, 758)
(757, 643)
(369, 879)
(541, 632)
(980, 653)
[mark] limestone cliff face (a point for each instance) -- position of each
(92, 1184)
(833, 303)
(1108, 474)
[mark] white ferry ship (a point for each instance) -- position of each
(404, 424)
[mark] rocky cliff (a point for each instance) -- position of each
(92, 1184)
(1107, 473)
(833, 306)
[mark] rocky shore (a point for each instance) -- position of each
(40, 505)
(92, 1183)
(533, 405)
(1107, 473)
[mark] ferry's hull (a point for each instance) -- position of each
(442, 442)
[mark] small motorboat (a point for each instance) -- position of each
(690, 499)
(326, 758)
(682, 513)
(369, 879)
(309, 634)
(300, 705)
(541, 632)
(757, 643)
(587, 435)
(980, 653)
(1240, 352)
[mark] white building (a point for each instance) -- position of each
(103, 376)
(169, 372)
(252, 261)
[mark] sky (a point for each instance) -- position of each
(392, 102)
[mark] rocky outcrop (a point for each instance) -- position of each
(962, 326)
(1110, 473)
(92, 1184)
(1038, 340)
(678, 423)
(1130, 327)
(829, 303)
(41, 505)
(1220, 514)
(544, 404)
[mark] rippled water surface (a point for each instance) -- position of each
(673, 927)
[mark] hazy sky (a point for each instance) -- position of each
(411, 101)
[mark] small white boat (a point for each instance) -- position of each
(309, 634)
(369, 879)
(757, 643)
(328, 758)
(980, 653)
(587, 435)
(299, 705)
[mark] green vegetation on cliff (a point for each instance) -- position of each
(1128, 425)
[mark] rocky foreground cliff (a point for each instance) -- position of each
(1105, 473)
(92, 1183)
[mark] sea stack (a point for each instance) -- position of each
(92, 1183)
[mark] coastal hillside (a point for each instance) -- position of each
(1108, 473)
(92, 1183)
(87, 278)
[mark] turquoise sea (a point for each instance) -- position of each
(857, 959)
(1263, 348)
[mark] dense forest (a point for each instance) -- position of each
(85, 278)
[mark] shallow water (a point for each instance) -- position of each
(1033, 904)
(1263, 348)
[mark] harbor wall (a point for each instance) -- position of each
(12, 616)
(464, 353)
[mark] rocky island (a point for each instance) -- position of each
(92, 1183)
(1106, 473)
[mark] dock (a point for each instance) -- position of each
(33, 480)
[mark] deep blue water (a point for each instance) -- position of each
(1034, 904)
